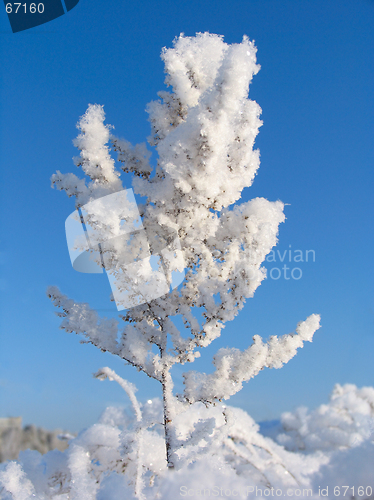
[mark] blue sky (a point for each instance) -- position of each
(315, 88)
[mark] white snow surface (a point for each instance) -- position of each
(224, 454)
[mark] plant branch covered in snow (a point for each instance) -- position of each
(203, 133)
(233, 367)
(130, 390)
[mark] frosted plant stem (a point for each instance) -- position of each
(167, 395)
(139, 467)
(130, 389)
(231, 445)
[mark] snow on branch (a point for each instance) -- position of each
(130, 390)
(204, 129)
(81, 319)
(95, 160)
(233, 367)
(128, 387)
(72, 185)
(102, 332)
(83, 484)
(134, 158)
(16, 482)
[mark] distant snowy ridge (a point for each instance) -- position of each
(14, 438)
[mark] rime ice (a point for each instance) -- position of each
(203, 129)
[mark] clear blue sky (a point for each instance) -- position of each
(317, 143)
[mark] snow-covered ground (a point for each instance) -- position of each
(327, 452)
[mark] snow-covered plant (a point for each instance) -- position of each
(203, 133)
(346, 422)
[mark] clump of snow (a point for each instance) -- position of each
(347, 421)
(16, 483)
(349, 472)
(83, 484)
(95, 161)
